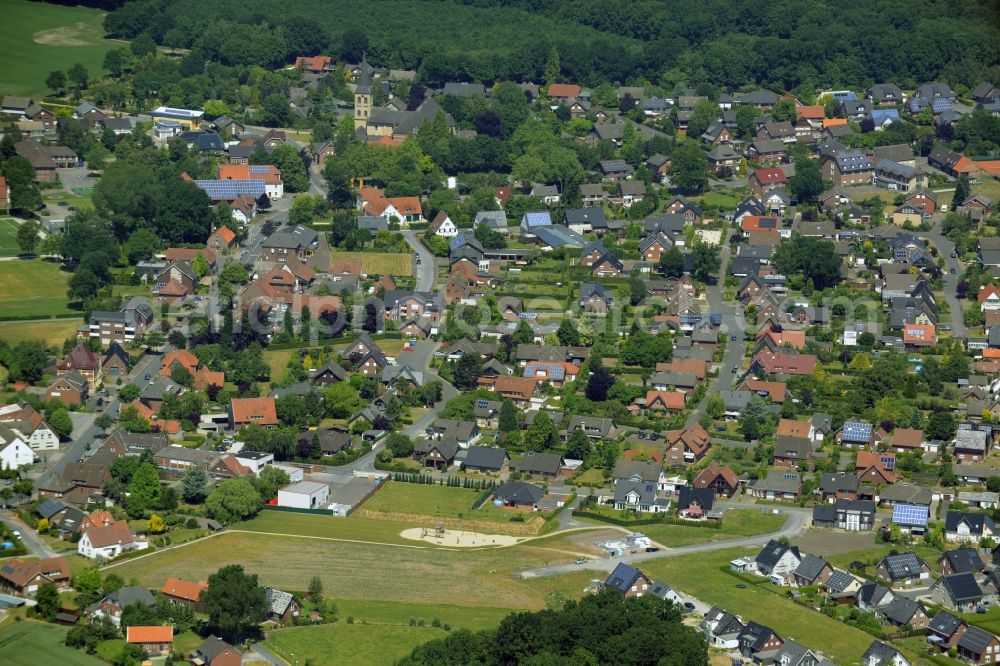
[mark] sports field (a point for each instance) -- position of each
(33, 288)
(8, 238)
(51, 331)
(380, 263)
(40, 38)
(34, 643)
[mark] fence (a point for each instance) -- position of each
(292, 509)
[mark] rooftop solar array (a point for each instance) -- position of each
(909, 514)
(857, 431)
(903, 565)
(227, 190)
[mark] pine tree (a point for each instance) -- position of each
(508, 417)
(315, 450)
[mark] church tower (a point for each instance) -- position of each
(363, 96)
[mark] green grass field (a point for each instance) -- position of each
(432, 575)
(40, 38)
(380, 263)
(402, 501)
(8, 238)
(343, 643)
(33, 288)
(737, 523)
(33, 644)
(53, 331)
(350, 529)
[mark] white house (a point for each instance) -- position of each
(15, 452)
(777, 559)
(109, 541)
(304, 495)
(443, 226)
(254, 460)
(989, 298)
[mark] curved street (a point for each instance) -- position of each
(797, 523)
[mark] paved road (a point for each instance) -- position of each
(35, 546)
(733, 323)
(425, 270)
(797, 523)
(149, 364)
(419, 359)
(945, 248)
(268, 656)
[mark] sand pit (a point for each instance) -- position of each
(458, 538)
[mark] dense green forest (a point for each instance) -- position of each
(602, 629)
(800, 45)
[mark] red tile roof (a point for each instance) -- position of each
(669, 399)
(988, 291)
(564, 90)
(793, 428)
(770, 176)
(260, 411)
(226, 234)
(709, 474)
(907, 438)
(816, 112)
(142, 635)
(183, 589)
(787, 364)
(272, 175)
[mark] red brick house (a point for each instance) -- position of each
(687, 446)
(762, 180)
(722, 479)
(222, 240)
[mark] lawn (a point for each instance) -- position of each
(398, 499)
(719, 200)
(53, 331)
(40, 38)
(349, 529)
(365, 572)
(737, 523)
(380, 263)
(343, 643)
(8, 238)
(33, 644)
(278, 361)
(389, 612)
(878, 551)
(700, 575)
(33, 288)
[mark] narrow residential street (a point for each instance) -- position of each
(423, 267)
(946, 248)
(35, 545)
(733, 324)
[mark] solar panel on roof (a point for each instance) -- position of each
(791, 477)
(909, 514)
(889, 462)
(482, 404)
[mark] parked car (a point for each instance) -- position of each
(581, 560)
(688, 606)
(741, 586)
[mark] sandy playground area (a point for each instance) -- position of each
(457, 538)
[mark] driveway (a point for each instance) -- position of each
(32, 542)
(425, 270)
